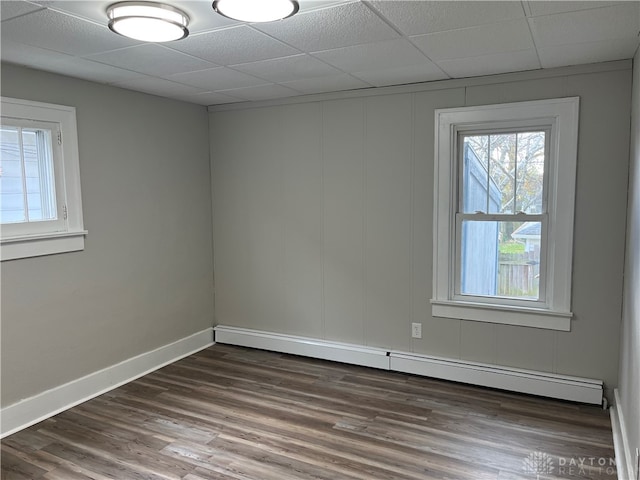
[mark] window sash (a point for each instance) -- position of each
(488, 129)
(456, 267)
(37, 227)
(499, 129)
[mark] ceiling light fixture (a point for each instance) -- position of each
(256, 10)
(148, 21)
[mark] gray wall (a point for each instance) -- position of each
(630, 339)
(323, 221)
(145, 277)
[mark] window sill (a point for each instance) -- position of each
(39, 245)
(519, 316)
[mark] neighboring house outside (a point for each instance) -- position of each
(479, 258)
(529, 234)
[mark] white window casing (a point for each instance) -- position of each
(66, 232)
(559, 117)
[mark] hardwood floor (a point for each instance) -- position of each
(234, 413)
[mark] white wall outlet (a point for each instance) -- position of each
(416, 330)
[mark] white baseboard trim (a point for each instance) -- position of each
(624, 462)
(513, 379)
(34, 409)
(307, 347)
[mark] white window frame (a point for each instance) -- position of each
(68, 233)
(553, 311)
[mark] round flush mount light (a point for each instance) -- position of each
(148, 21)
(256, 10)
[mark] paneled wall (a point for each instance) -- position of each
(323, 220)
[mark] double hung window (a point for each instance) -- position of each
(503, 219)
(40, 207)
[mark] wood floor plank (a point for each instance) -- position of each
(231, 413)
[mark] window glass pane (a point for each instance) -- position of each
(39, 174)
(11, 181)
(27, 177)
(503, 173)
(500, 259)
(502, 162)
(530, 172)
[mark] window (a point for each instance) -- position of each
(503, 219)
(40, 202)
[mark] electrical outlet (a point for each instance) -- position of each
(416, 330)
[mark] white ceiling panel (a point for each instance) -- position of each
(63, 64)
(208, 98)
(62, 33)
(220, 78)
(159, 86)
(11, 9)
(501, 37)
(491, 64)
(233, 45)
(596, 25)
(151, 59)
(419, 17)
(261, 92)
(22, 54)
(548, 7)
(374, 56)
(579, 53)
(426, 72)
(340, 26)
(327, 84)
(288, 68)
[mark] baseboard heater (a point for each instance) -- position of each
(551, 385)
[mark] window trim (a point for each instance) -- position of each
(71, 237)
(561, 115)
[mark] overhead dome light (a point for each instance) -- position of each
(148, 21)
(256, 10)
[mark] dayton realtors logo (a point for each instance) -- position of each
(540, 464)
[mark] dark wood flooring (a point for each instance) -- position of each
(234, 413)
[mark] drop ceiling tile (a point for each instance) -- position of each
(426, 72)
(207, 98)
(63, 64)
(374, 56)
(599, 24)
(62, 33)
(151, 59)
(262, 92)
(159, 86)
(420, 17)
(95, 72)
(12, 9)
(233, 45)
(288, 68)
(593, 52)
(491, 64)
(482, 40)
(333, 27)
(220, 78)
(326, 84)
(29, 56)
(549, 8)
